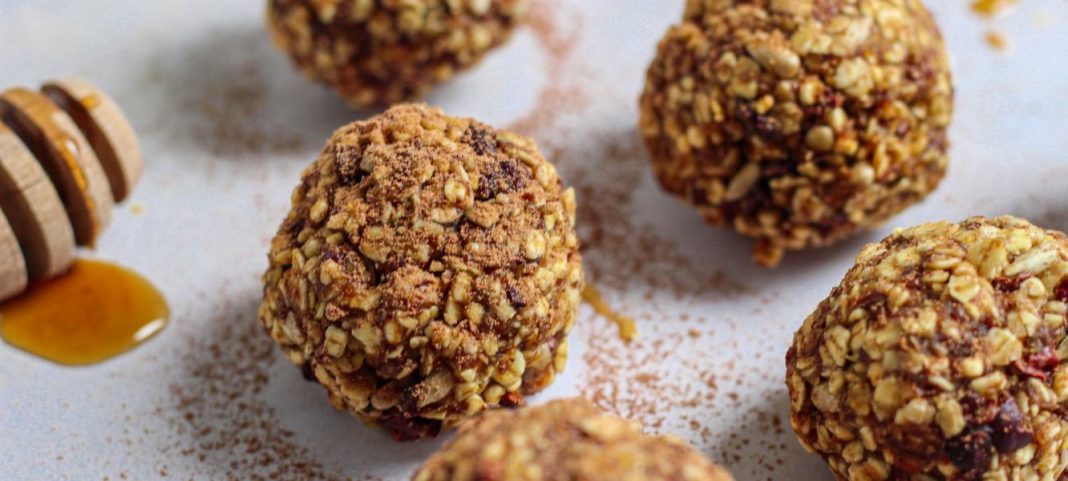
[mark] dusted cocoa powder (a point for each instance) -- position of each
(220, 421)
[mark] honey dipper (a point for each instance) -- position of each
(67, 154)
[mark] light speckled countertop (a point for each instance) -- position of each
(227, 125)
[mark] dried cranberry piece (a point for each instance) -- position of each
(404, 429)
(1038, 365)
(1008, 430)
(1010, 284)
(970, 451)
(1061, 291)
(513, 400)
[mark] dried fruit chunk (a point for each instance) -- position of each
(949, 357)
(390, 285)
(799, 123)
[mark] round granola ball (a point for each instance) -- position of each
(567, 440)
(381, 52)
(799, 122)
(942, 355)
(428, 270)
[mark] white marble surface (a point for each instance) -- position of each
(210, 205)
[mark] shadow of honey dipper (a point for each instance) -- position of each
(67, 155)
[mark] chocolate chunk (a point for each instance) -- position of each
(504, 178)
(1008, 430)
(970, 451)
(481, 140)
(348, 163)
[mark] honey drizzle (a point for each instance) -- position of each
(90, 102)
(68, 149)
(95, 312)
(628, 329)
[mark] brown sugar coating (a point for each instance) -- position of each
(940, 356)
(381, 52)
(568, 440)
(798, 122)
(428, 269)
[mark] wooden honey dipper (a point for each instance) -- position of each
(67, 155)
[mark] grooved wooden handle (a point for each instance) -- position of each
(67, 154)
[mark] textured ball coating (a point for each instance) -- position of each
(382, 52)
(428, 269)
(940, 356)
(569, 440)
(799, 122)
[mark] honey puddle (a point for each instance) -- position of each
(93, 313)
(628, 329)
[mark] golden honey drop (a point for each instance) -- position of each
(93, 313)
(628, 329)
(91, 101)
(989, 8)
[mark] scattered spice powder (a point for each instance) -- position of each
(636, 380)
(225, 94)
(219, 418)
(555, 97)
(231, 114)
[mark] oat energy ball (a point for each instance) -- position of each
(385, 51)
(569, 440)
(941, 356)
(799, 122)
(427, 270)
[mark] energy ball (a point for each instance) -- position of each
(940, 356)
(799, 122)
(381, 52)
(567, 440)
(428, 270)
